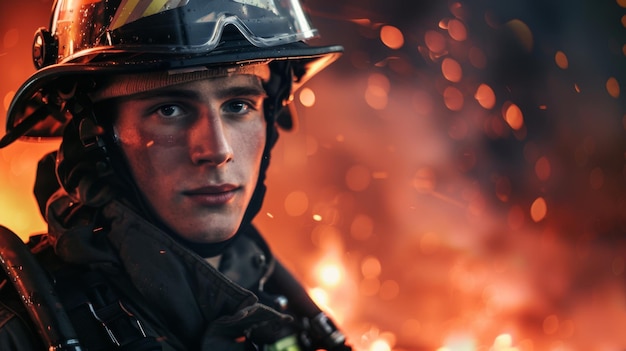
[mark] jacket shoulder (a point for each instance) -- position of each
(15, 333)
(17, 330)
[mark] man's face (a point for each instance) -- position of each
(194, 150)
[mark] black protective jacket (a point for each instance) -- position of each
(180, 301)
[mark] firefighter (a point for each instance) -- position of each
(168, 112)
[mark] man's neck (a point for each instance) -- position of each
(214, 261)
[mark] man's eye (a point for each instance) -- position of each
(170, 111)
(237, 107)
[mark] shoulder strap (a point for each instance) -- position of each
(37, 293)
(102, 318)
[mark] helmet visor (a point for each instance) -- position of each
(175, 26)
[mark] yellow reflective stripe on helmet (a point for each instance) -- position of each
(155, 7)
(123, 12)
(132, 10)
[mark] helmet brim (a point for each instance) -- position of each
(28, 117)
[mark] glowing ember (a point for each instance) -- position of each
(330, 275)
(307, 97)
(485, 96)
(296, 203)
(370, 267)
(457, 30)
(542, 168)
(561, 60)
(392, 37)
(435, 41)
(513, 116)
(538, 209)
(453, 98)
(451, 70)
(612, 86)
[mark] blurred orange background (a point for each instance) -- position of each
(457, 181)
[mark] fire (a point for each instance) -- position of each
(320, 296)
(380, 345)
(456, 182)
(330, 274)
(503, 342)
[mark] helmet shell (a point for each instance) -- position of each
(90, 38)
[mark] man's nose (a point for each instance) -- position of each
(210, 142)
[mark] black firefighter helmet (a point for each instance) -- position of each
(91, 38)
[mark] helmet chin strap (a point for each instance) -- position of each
(278, 89)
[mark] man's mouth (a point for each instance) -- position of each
(213, 195)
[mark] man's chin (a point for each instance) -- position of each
(206, 226)
(214, 236)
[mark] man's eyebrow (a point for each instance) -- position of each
(241, 91)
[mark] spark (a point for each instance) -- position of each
(307, 97)
(538, 209)
(513, 116)
(392, 37)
